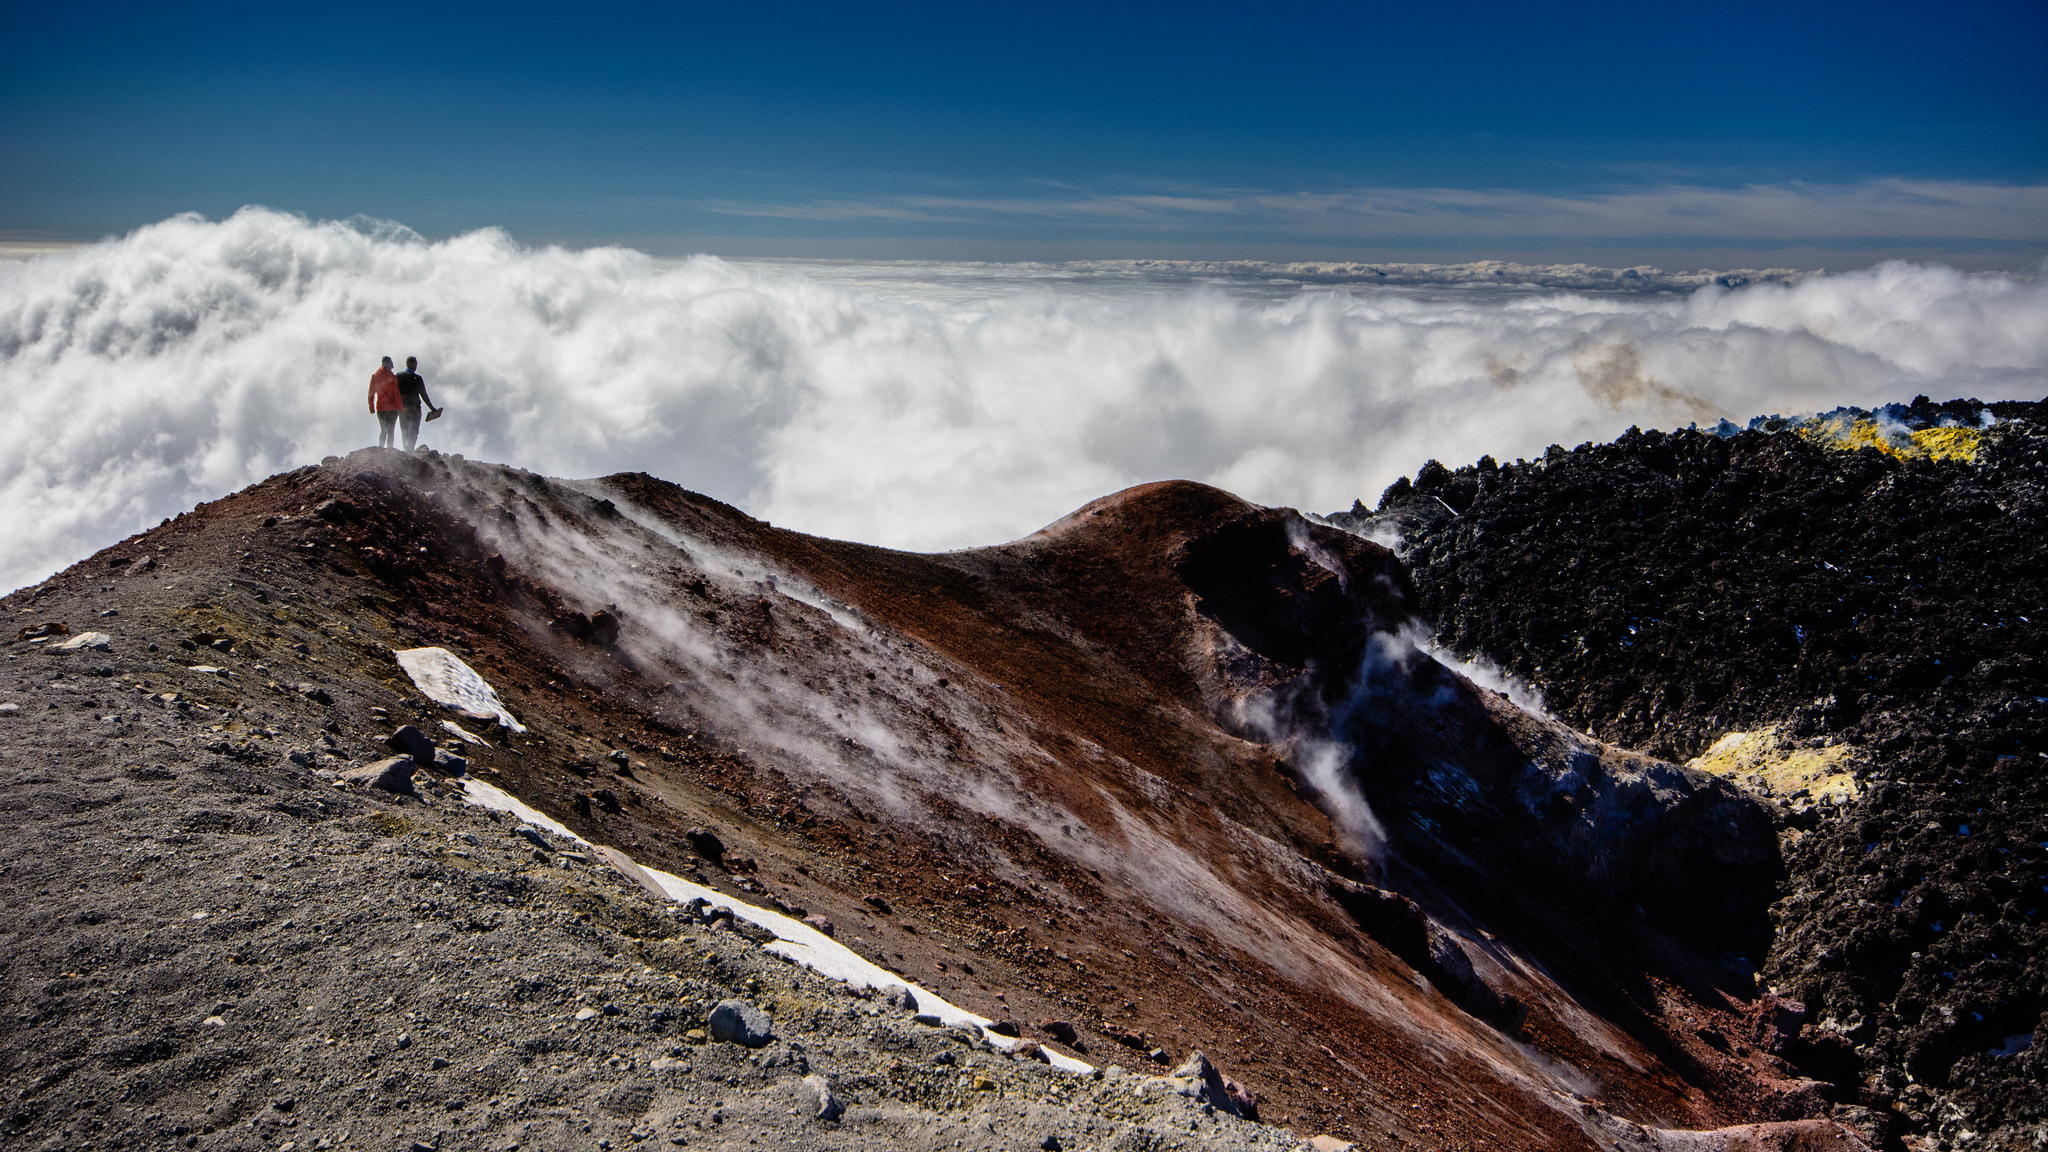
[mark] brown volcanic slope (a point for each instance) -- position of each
(1082, 776)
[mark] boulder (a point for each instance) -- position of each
(706, 843)
(1198, 1080)
(1247, 1100)
(819, 1098)
(738, 1022)
(1801, 1099)
(96, 641)
(410, 741)
(392, 775)
(1060, 1030)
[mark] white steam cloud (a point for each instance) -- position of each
(926, 406)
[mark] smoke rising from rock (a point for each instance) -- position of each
(191, 357)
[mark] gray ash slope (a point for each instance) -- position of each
(207, 946)
(1666, 589)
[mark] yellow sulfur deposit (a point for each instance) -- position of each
(1847, 434)
(1949, 443)
(1767, 762)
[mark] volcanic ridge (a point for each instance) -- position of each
(410, 800)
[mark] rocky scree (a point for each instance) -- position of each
(1666, 590)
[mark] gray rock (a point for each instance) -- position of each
(315, 693)
(818, 1094)
(738, 1022)
(534, 837)
(412, 742)
(450, 763)
(94, 641)
(392, 775)
(1199, 1080)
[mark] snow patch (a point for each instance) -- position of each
(445, 679)
(796, 940)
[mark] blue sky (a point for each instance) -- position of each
(1730, 132)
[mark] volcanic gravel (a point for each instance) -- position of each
(1665, 589)
(208, 945)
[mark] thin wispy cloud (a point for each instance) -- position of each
(1878, 209)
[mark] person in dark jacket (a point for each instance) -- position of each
(386, 402)
(413, 389)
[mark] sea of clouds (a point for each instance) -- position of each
(921, 406)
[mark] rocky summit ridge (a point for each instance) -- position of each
(1159, 827)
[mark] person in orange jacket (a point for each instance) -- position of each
(385, 401)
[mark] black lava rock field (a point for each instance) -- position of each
(1868, 591)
